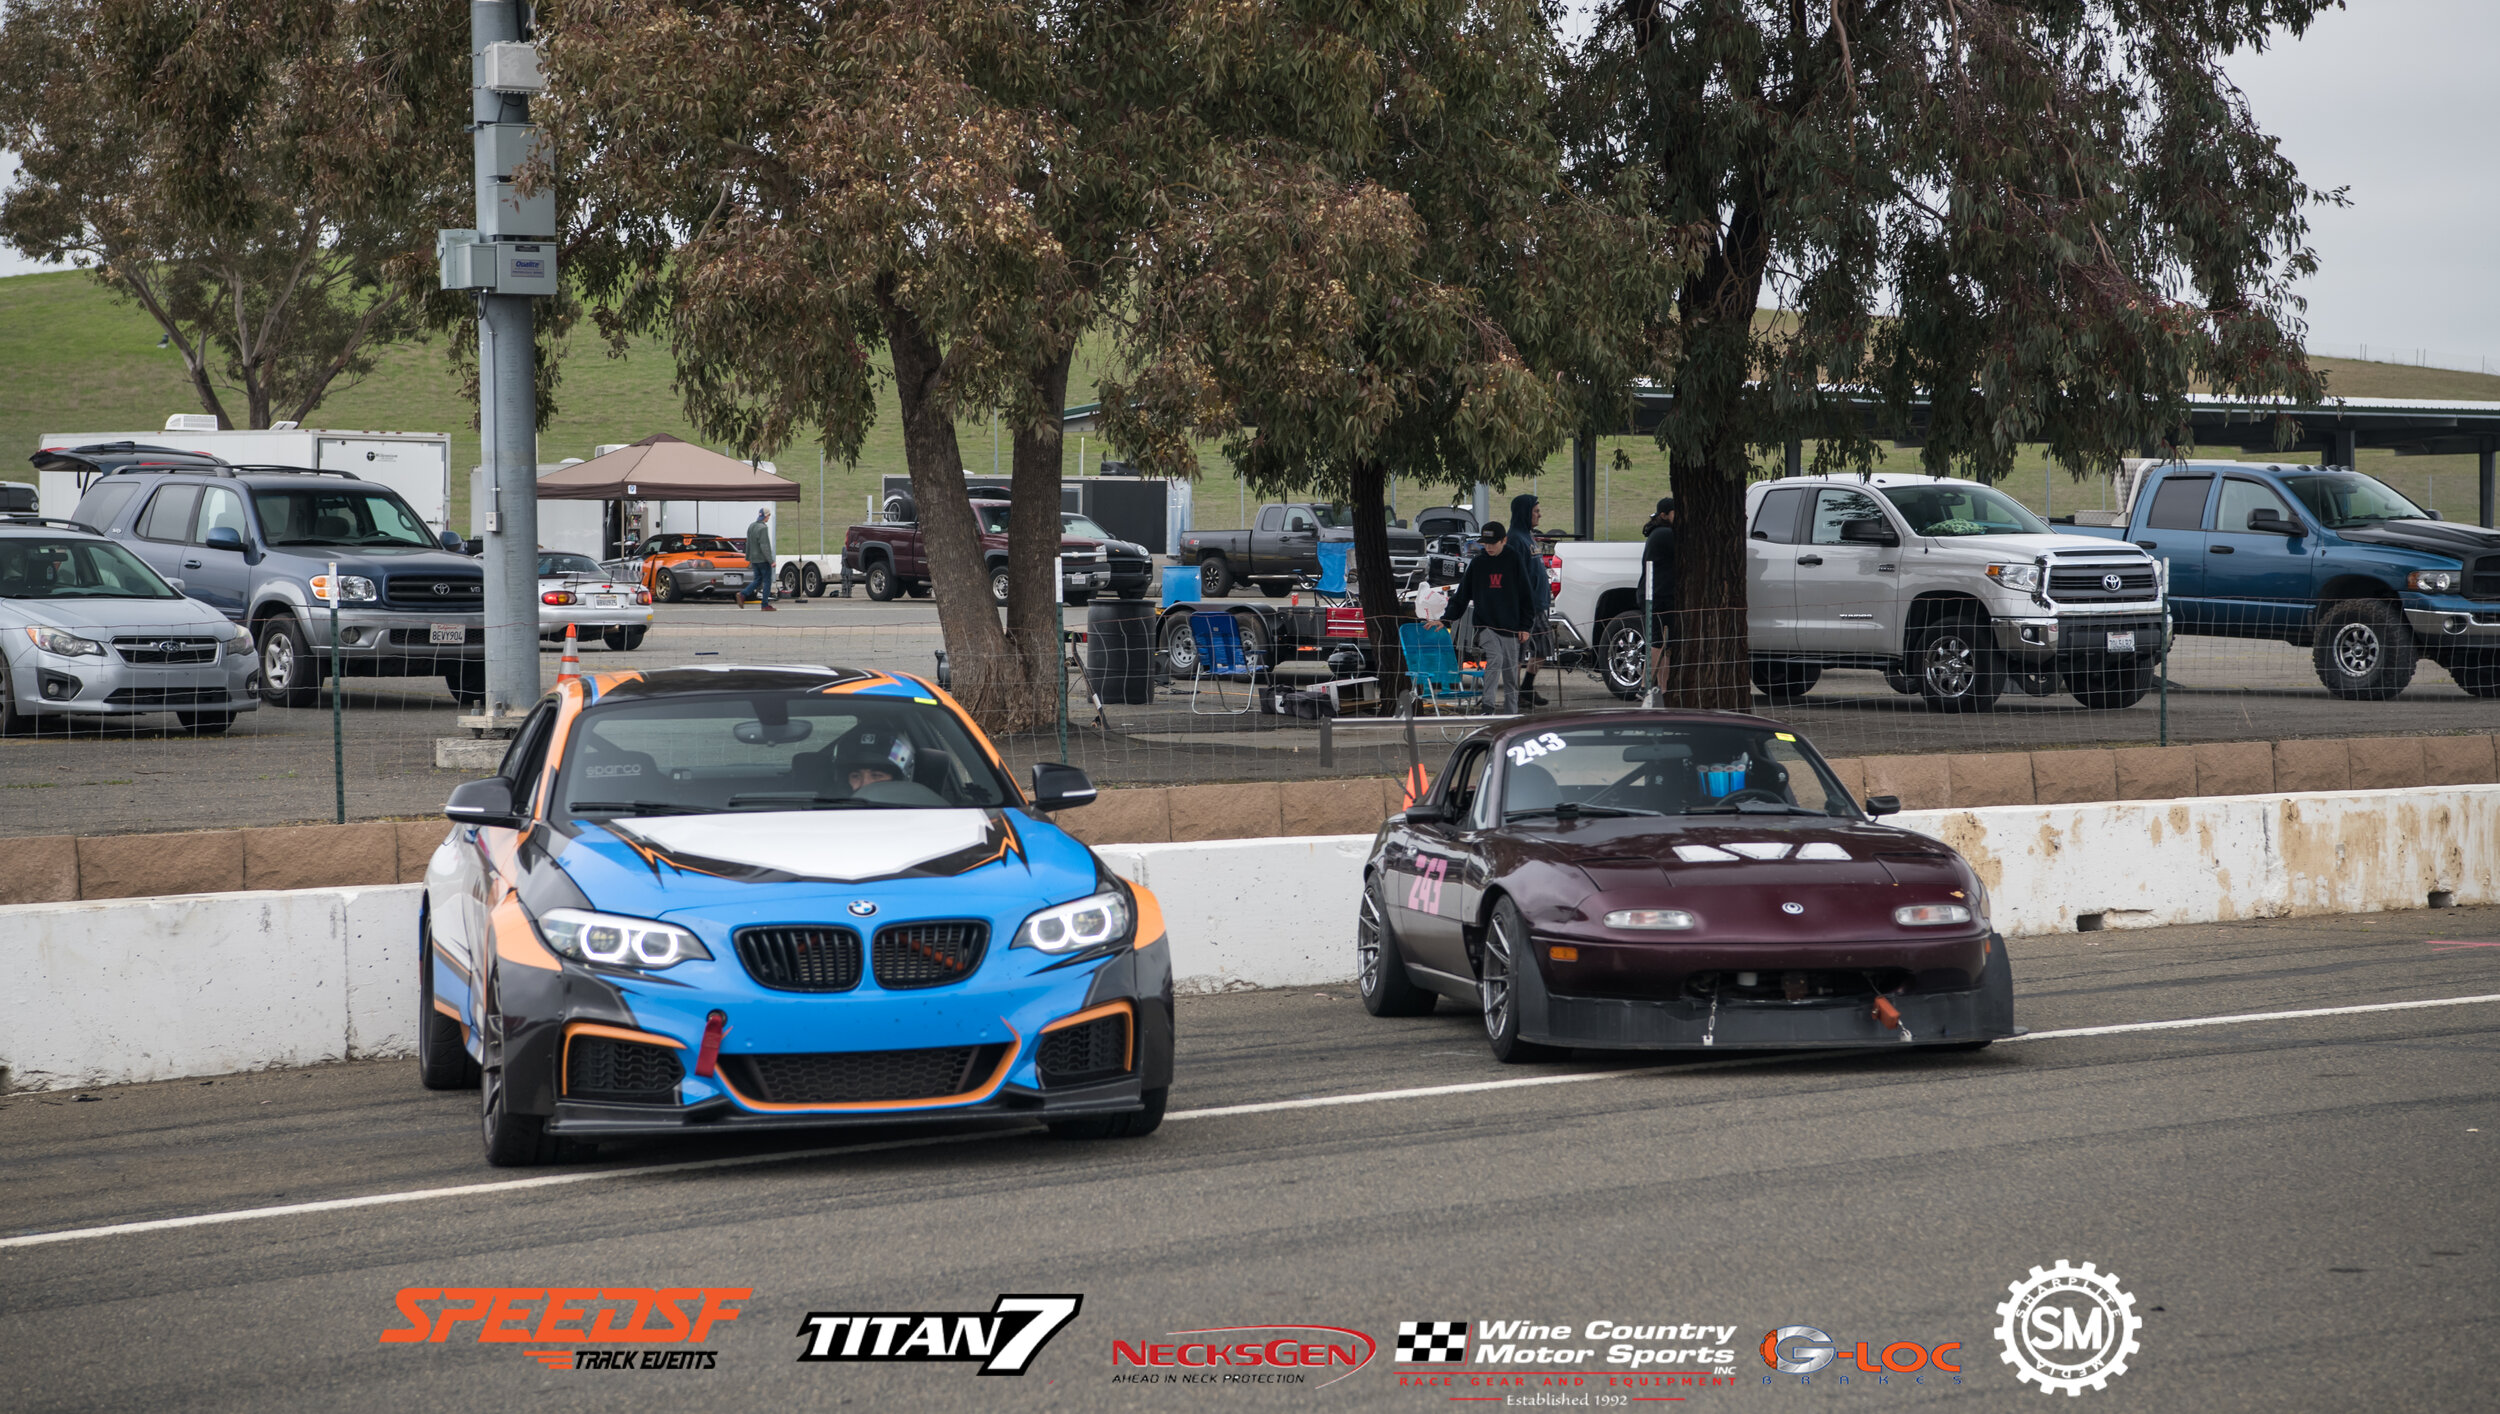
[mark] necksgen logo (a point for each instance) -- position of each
(1232, 1356)
(1004, 1338)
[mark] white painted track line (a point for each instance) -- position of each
(554, 1180)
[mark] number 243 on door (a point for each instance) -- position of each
(1424, 894)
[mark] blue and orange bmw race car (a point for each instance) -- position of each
(712, 899)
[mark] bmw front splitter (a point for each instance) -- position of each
(592, 1120)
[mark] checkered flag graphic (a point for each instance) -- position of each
(1433, 1342)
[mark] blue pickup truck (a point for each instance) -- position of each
(2325, 558)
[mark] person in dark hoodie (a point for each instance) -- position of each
(1496, 585)
(1539, 644)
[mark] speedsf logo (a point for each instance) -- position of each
(587, 1324)
(1004, 1338)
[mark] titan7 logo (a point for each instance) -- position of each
(1005, 1338)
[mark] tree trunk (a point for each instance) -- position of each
(1382, 613)
(1033, 617)
(1710, 665)
(950, 537)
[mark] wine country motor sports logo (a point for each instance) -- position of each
(1432, 1342)
(1004, 1338)
(591, 1327)
(1569, 1361)
(2067, 1327)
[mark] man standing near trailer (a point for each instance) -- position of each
(760, 559)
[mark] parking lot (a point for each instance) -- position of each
(274, 767)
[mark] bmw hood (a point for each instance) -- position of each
(920, 861)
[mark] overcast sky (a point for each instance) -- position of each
(2391, 98)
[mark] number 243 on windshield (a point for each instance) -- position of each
(1543, 744)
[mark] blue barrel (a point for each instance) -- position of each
(1180, 585)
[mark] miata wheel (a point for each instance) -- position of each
(1505, 944)
(1378, 969)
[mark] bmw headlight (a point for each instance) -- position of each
(618, 942)
(1073, 927)
(66, 645)
(1650, 918)
(2023, 577)
(1930, 915)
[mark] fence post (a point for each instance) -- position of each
(338, 702)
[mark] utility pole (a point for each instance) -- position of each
(506, 262)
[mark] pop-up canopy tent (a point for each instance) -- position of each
(664, 468)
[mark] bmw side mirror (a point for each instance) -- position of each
(224, 537)
(1057, 787)
(486, 802)
(1879, 806)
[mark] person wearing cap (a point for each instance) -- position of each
(1496, 586)
(1658, 569)
(1539, 644)
(869, 757)
(760, 559)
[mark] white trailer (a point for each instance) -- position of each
(417, 465)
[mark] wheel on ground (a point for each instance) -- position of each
(1378, 969)
(917, 588)
(881, 585)
(467, 683)
(2364, 650)
(14, 722)
(205, 723)
(289, 674)
(442, 1062)
(625, 639)
(1958, 669)
(998, 585)
(1179, 646)
(1505, 956)
(1623, 656)
(1215, 577)
(1785, 682)
(786, 583)
(1136, 1124)
(812, 582)
(512, 1140)
(664, 588)
(1276, 588)
(2480, 676)
(2110, 688)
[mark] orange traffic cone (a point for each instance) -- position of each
(1418, 785)
(571, 669)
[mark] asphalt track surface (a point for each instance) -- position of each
(2302, 1207)
(274, 767)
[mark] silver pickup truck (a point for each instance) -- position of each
(1949, 588)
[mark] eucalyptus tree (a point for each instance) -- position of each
(2050, 220)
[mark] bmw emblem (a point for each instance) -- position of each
(862, 908)
(2112, 583)
(1792, 908)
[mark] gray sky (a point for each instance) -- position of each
(2392, 99)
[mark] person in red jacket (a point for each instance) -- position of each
(1496, 585)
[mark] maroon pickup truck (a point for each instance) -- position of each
(886, 556)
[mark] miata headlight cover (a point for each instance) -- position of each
(1650, 918)
(1073, 927)
(1930, 915)
(617, 941)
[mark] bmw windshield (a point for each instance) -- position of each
(703, 754)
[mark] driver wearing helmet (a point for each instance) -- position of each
(872, 755)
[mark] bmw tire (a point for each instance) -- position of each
(1135, 1124)
(442, 1062)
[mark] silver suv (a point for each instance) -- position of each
(88, 630)
(251, 540)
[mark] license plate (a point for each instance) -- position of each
(2122, 642)
(446, 633)
(603, 601)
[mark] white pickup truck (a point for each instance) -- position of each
(1945, 586)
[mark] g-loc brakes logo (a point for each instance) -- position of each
(2066, 1327)
(1004, 1338)
(1803, 1350)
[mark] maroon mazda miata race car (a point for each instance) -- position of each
(1659, 880)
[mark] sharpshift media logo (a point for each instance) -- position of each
(1004, 1338)
(2066, 1328)
(605, 1322)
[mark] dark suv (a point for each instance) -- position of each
(250, 541)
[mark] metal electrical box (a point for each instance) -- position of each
(502, 212)
(467, 262)
(510, 66)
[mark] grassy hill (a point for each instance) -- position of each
(75, 359)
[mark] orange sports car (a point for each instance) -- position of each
(680, 566)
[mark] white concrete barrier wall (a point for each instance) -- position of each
(150, 989)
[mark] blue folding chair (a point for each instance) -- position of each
(1335, 557)
(1432, 664)
(1222, 657)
